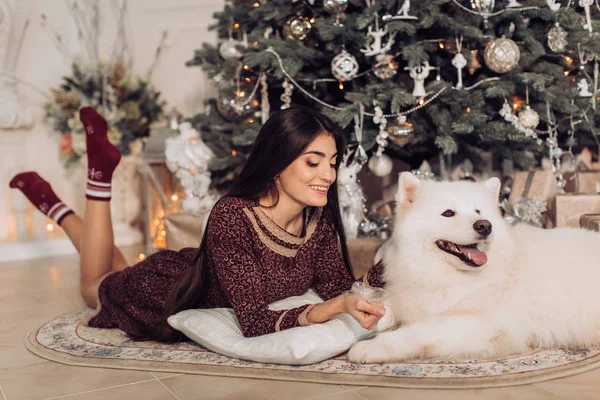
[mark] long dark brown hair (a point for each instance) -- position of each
(281, 140)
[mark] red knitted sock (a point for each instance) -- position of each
(103, 156)
(40, 194)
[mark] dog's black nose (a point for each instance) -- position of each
(483, 227)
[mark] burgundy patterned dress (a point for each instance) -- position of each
(251, 262)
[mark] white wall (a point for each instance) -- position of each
(42, 65)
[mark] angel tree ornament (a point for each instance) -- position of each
(419, 73)
(583, 88)
(586, 4)
(344, 66)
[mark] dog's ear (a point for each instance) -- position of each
(408, 185)
(493, 186)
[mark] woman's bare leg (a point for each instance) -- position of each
(72, 224)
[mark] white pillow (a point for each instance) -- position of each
(218, 330)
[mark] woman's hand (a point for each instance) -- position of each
(367, 314)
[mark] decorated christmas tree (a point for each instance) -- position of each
(437, 80)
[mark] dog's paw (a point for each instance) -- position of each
(367, 351)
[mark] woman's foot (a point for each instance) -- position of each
(103, 156)
(40, 194)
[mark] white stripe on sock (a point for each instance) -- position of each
(58, 216)
(96, 193)
(54, 207)
(96, 183)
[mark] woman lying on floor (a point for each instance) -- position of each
(273, 236)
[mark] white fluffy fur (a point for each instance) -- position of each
(539, 288)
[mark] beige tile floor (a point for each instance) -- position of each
(32, 292)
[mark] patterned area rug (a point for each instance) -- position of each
(66, 341)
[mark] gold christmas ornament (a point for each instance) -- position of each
(529, 118)
(236, 106)
(297, 27)
(335, 6)
(502, 55)
(387, 68)
(401, 132)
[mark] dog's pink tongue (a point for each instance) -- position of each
(477, 256)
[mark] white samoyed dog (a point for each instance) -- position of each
(464, 284)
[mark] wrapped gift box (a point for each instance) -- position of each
(590, 221)
(582, 182)
(533, 185)
(569, 207)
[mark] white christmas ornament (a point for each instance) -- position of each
(374, 47)
(286, 97)
(459, 62)
(507, 114)
(402, 13)
(380, 164)
(583, 88)
(513, 3)
(502, 55)
(350, 196)
(419, 73)
(553, 4)
(344, 66)
(586, 4)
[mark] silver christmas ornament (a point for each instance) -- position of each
(236, 106)
(297, 27)
(380, 165)
(229, 49)
(387, 68)
(502, 55)
(483, 8)
(529, 118)
(557, 39)
(344, 66)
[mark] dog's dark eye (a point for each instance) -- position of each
(448, 213)
(478, 212)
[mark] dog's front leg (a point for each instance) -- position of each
(456, 337)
